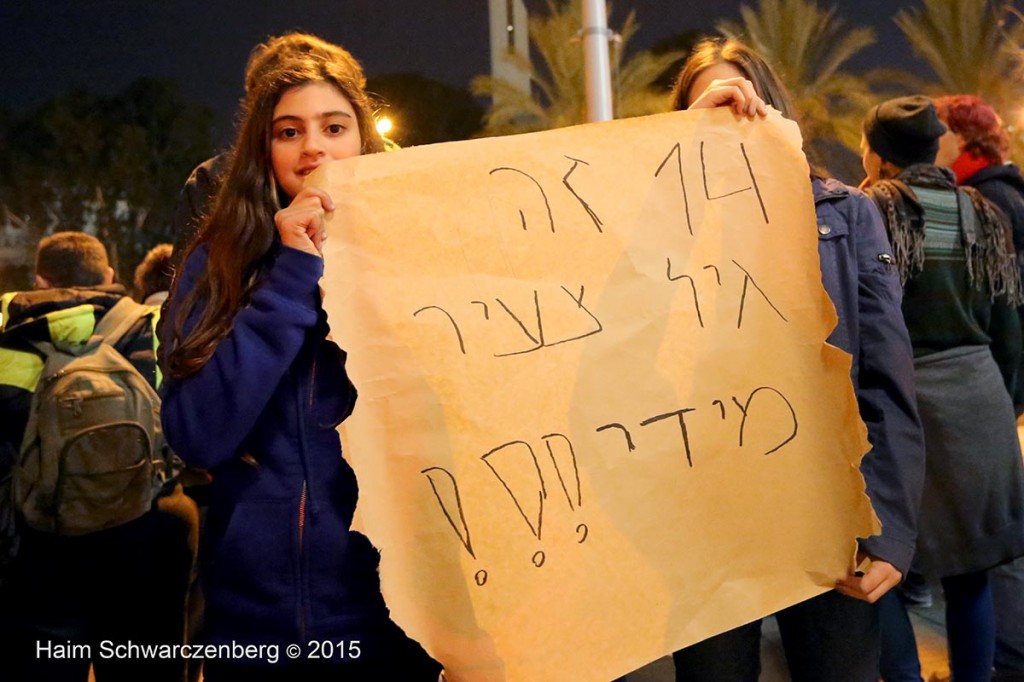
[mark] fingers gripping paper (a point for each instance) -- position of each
(597, 417)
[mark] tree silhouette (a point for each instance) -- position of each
(973, 47)
(808, 46)
(112, 166)
(557, 76)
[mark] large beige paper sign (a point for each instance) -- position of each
(597, 417)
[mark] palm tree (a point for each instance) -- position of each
(973, 47)
(557, 76)
(808, 46)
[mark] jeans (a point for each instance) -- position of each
(900, 662)
(970, 631)
(1007, 583)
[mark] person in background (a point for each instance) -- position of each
(194, 203)
(961, 286)
(153, 279)
(125, 583)
(255, 388)
(153, 276)
(835, 636)
(976, 147)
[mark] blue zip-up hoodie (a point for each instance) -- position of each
(857, 273)
(281, 564)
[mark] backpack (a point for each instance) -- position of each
(93, 452)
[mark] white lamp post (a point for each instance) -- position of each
(596, 64)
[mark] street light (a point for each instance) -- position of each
(595, 60)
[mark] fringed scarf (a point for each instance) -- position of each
(991, 265)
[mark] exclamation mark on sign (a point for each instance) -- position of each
(446, 490)
(563, 457)
(516, 467)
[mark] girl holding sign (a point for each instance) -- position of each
(255, 389)
(835, 636)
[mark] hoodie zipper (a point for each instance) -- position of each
(305, 498)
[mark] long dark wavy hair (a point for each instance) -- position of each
(240, 229)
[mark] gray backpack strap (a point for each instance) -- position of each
(120, 319)
(968, 218)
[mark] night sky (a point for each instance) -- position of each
(50, 46)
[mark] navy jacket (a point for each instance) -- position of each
(281, 564)
(1003, 185)
(865, 289)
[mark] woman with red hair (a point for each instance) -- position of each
(975, 148)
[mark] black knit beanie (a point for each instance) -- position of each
(905, 130)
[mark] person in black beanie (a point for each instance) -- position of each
(903, 131)
(960, 288)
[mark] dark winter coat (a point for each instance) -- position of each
(865, 289)
(1003, 185)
